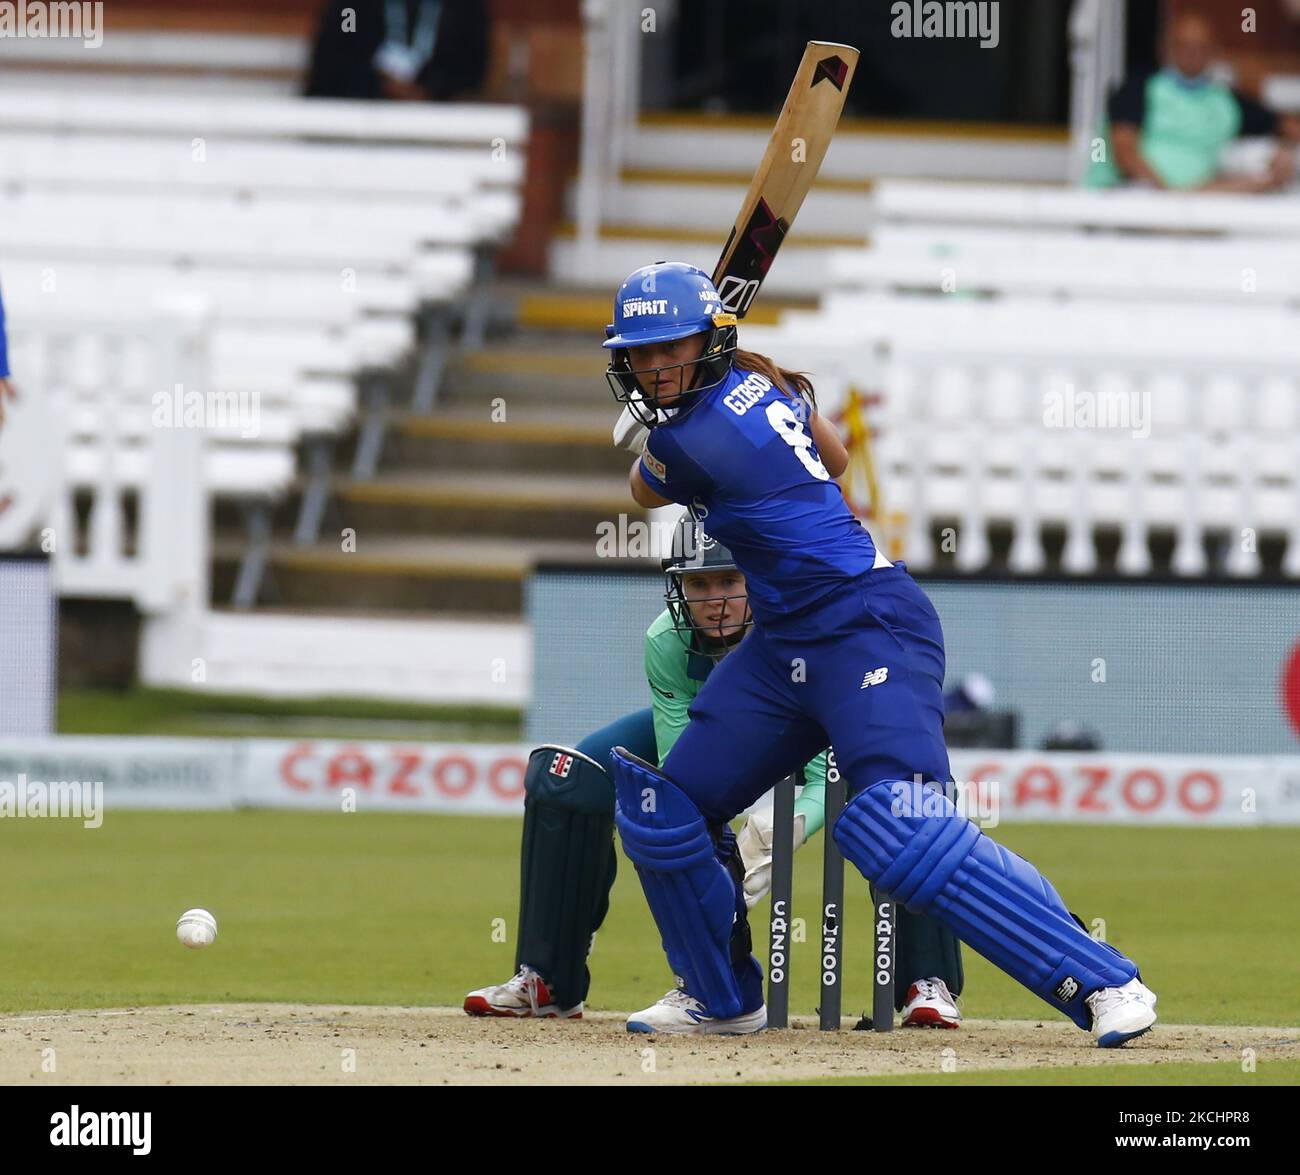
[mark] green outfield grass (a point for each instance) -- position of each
(142, 711)
(401, 909)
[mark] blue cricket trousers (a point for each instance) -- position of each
(861, 669)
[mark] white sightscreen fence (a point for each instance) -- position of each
(29, 626)
(1208, 668)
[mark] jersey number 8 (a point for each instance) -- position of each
(790, 429)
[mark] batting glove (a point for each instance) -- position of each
(630, 433)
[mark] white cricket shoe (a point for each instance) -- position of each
(526, 995)
(930, 1005)
(683, 1014)
(1121, 1013)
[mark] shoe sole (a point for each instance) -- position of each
(1113, 1040)
(726, 1028)
(929, 1018)
(482, 1008)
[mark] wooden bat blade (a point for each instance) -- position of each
(794, 154)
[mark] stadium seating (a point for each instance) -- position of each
(1026, 206)
(987, 316)
(319, 235)
(979, 422)
(429, 178)
(222, 63)
(966, 259)
(241, 117)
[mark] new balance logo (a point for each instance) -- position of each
(875, 676)
(561, 765)
(1067, 989)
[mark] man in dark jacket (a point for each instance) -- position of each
(412, 50)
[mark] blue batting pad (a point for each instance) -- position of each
(939, 863)
(690, 893)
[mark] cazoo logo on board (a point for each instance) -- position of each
(400, 775)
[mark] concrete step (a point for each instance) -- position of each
(679, 177)
(467, 502)
(569, 377)
(663, 231)
(800, 270)
(461, 577)
(534, 395)
(708, 204)
(531, 438)
(296, 580)
(576, 360)
(680, 141)
(561, 507)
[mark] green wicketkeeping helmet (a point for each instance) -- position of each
(695, 550)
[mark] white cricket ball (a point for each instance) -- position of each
(196, 928)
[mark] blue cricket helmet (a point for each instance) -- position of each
(661, 303)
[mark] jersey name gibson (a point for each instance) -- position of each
(745, 395)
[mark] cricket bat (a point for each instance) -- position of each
(794, 153)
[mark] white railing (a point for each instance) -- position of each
(128, 512)
(1096, 65)
(611, 87)
(974, 436)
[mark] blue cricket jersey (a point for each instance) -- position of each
(744, 461)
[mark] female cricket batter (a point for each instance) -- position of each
(569, 860)
(845, 650)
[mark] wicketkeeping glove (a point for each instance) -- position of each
(755, 845)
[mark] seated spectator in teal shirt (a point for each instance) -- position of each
(1168, 129)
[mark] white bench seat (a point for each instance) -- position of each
(1027, 206)
(249, 471)
(189, 115)
(236, 295)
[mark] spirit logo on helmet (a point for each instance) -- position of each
(639, 306)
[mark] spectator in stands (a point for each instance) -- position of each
(1168, 129)
(409, 50)
(6, 386)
